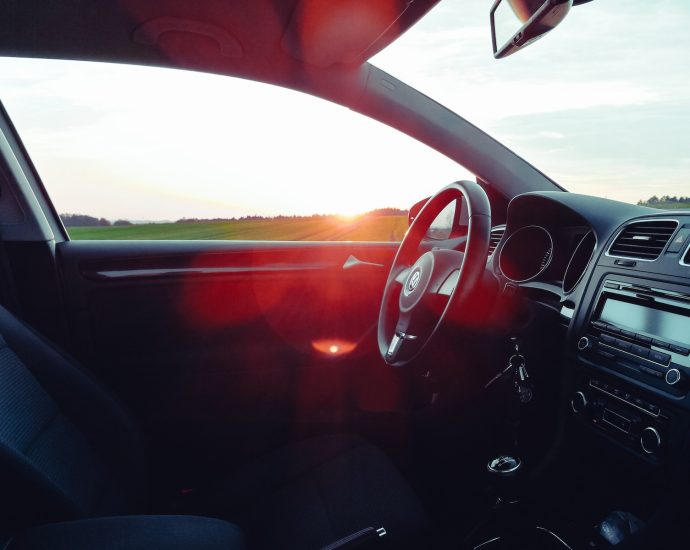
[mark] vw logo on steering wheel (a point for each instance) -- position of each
(413, 281)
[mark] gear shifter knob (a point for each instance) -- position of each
(505, 479)
(504, 466)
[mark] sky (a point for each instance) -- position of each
(601, 105)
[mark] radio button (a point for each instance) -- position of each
(659, 357)
(627, 333)
(652, 372)
(641, 351)
(583, 344)
(661, 344)
(672, 377)
(605, 354)
(600, 325)
(652, 408)
(622, 344)
(616, 420)
(679, 349)
(638, 402)
(610, 284)
(642, 338)
(579, 402)
(607, 339)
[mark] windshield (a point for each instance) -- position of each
(601, 104)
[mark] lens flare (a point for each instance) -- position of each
(333, 347)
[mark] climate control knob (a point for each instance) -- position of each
(650, 440)
(579, 402)
(584, 343)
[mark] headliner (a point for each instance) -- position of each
(296, 43)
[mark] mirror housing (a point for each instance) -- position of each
(414, 210)
(534, 17)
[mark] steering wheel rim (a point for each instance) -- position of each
(423, 287)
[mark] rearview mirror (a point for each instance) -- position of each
(517, 23)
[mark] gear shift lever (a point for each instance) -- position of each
(506, 478)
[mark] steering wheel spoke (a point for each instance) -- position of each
(402, 275)
(399, 338)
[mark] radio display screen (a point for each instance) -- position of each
(665, 325)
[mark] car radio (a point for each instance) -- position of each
(643, 332)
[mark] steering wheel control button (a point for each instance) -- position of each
(650, 440)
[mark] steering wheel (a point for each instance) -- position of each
(423, 286)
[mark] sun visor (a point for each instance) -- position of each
(326, 32)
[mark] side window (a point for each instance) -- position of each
(131, 152)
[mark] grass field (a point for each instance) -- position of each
(374, 228)
(670, 205)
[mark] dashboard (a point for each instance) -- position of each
(619, 276)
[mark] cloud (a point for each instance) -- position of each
(551, 135)
(610, 85)
(601, 104)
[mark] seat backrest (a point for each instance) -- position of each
(68, 450)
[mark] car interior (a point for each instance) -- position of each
(515, 373)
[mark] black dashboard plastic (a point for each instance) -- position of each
(609, 389)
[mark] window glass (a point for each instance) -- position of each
(601, 104)
(131, 152)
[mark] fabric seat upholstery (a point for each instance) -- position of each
(318, 491)
(69, 451)
(132, 533)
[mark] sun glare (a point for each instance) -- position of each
(334, 347)
(348, 218)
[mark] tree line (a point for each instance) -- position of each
(83, 220)
(373, 213)
(665, 199)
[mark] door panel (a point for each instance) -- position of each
(229, 347)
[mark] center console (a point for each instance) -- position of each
(633, 350)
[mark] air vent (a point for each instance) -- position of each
(495, 238)
(643, 240)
